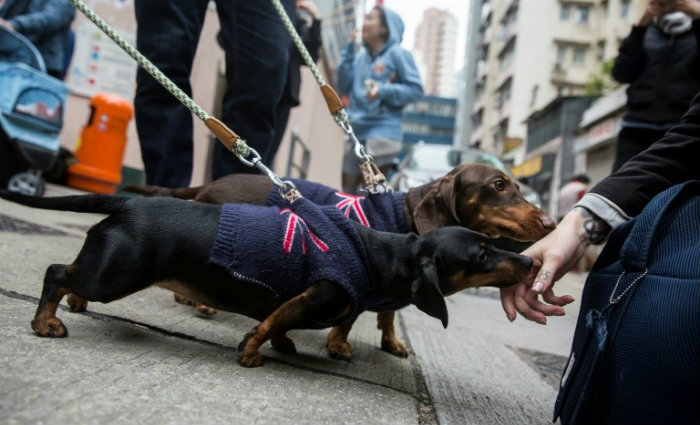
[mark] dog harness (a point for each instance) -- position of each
(382, 212)
(288, 249)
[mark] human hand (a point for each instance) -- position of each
(689, 7)
(310, 7)
(652, 10)
(553, 256)
(372, 89)
(6, 24)
(353, 36)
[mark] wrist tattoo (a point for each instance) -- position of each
(596, 229)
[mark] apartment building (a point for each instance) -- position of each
(528, 53)
(435, 44)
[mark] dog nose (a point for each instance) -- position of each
(547, 222)
(527, 261)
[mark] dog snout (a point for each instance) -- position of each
(525, 261)
(547, 222)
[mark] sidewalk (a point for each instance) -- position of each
(147, 360)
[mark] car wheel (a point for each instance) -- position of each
(28, 183)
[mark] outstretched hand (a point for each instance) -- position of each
(553, 256)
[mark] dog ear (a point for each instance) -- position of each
(425, 293)
(437, 208)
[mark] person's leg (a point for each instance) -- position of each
(167, 34)
(282, 113)
(631, 141)
(351, 177)
(257, 54)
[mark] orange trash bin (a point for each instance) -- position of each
(100, 149)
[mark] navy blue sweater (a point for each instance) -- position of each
(382, 212)
(288, 249)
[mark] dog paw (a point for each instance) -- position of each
(395, 347)
(283, 344)
(77, 304)
(205, 309)
(52, 328)
(251, 360)
(340, 350)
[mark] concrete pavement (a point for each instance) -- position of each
(146, 359)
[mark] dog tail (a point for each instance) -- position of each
(99, 204)
(148, 190)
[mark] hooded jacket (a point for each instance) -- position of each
(664, 74)
(45, 23)
(399, 84)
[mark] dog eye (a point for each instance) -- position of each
(500, 185)
(482, 256)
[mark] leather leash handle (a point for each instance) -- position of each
(225, 135)
(332, 99)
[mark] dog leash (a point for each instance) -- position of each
(375, 182)
(225, 135)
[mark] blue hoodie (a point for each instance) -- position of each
(399, 84)
(45, 23)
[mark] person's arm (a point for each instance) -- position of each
(57, 14)
(407, 87)
(623, 194)
(670, 160)
(346, 69)
(311, 36)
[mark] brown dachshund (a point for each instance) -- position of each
(475, 196)
(184, 246)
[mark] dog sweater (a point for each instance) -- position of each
(382, 212)
(288, 249)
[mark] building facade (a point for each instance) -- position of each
(434, 50)
(530, 52)
(431, 119)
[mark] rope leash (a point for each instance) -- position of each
(375, 182)
(225, 135)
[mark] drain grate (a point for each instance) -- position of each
(549, 366)
(11, 224)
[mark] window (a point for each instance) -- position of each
(579, 54)
(582, 14)
(624, 8)
(564, 12)
(561, 54)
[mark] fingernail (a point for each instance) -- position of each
(538, 287)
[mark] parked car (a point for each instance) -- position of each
(425, 162)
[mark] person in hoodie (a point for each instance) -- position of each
(660, 60)
(380, 81)
(46, 23)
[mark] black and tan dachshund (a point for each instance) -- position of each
(167, 242)
(476, 196)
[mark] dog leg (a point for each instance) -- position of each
(204, 309)
(322, 302)
(45, 322)
(283, 344)
(390, 343)
(77, 304)
(338, 346)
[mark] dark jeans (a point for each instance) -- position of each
(631, 141)
(257, 52)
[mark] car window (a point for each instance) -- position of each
(472, 156)
(429, 158)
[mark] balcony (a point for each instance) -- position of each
(558, 73)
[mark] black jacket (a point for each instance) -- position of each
(672, 160)
(663, 72)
